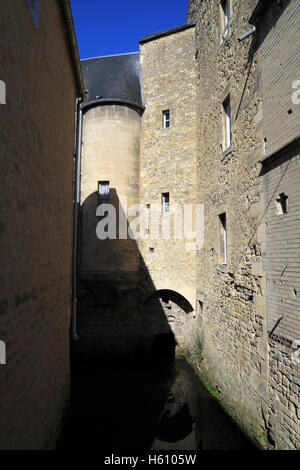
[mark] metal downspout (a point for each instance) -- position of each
(74, 334)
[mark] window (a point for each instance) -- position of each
(103, 192)
(2, 92)
(224, 26)
(282, 204)
(226, 124)
(223, 238)
(165, 201)
(166, 119)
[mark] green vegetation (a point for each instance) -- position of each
(195, 355)
(213, 391)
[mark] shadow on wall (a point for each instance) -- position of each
(117, 402)
(119, 312)
(265, 20)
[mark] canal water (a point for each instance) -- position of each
(119, 407)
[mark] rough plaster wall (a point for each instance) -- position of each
(37, 144)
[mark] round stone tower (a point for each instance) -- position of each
(110, 169)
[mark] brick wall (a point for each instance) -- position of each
(37, 144)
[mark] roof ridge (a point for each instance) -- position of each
(167, 32)
(111, 55)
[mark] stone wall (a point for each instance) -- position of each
(37, 132)
(254, 375)
(232, 294)
(168, 156)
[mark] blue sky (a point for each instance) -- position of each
(106, 27)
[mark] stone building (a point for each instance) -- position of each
(204, 114)
(247, 282)
(41, 71)
(140, 287)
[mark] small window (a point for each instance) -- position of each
(223, 238)
(166, 119)
(2, 353)
(282, 204)
(2, 92)
(224, 25)
(226, 124)
(165, 201)
(103, 192)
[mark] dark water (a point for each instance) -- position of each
(118, 407)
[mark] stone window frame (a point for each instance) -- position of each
(166, 120)
(159, 118)
(103, 192)
(222, 17)
(165, 205)
(223, 239)
(221, 266)
(227, 94)
(227, 123)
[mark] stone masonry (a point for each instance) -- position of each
(216, 127)
(255, 376)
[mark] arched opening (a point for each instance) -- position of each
(167, 321)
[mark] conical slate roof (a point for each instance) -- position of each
(115, 77)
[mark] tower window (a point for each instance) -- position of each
(226, 123)
(103, 192)
(165, 201)
(166, 119)
(223, 238)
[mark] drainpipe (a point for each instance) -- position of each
(74, 335)
(68, 18)
(246, 35)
